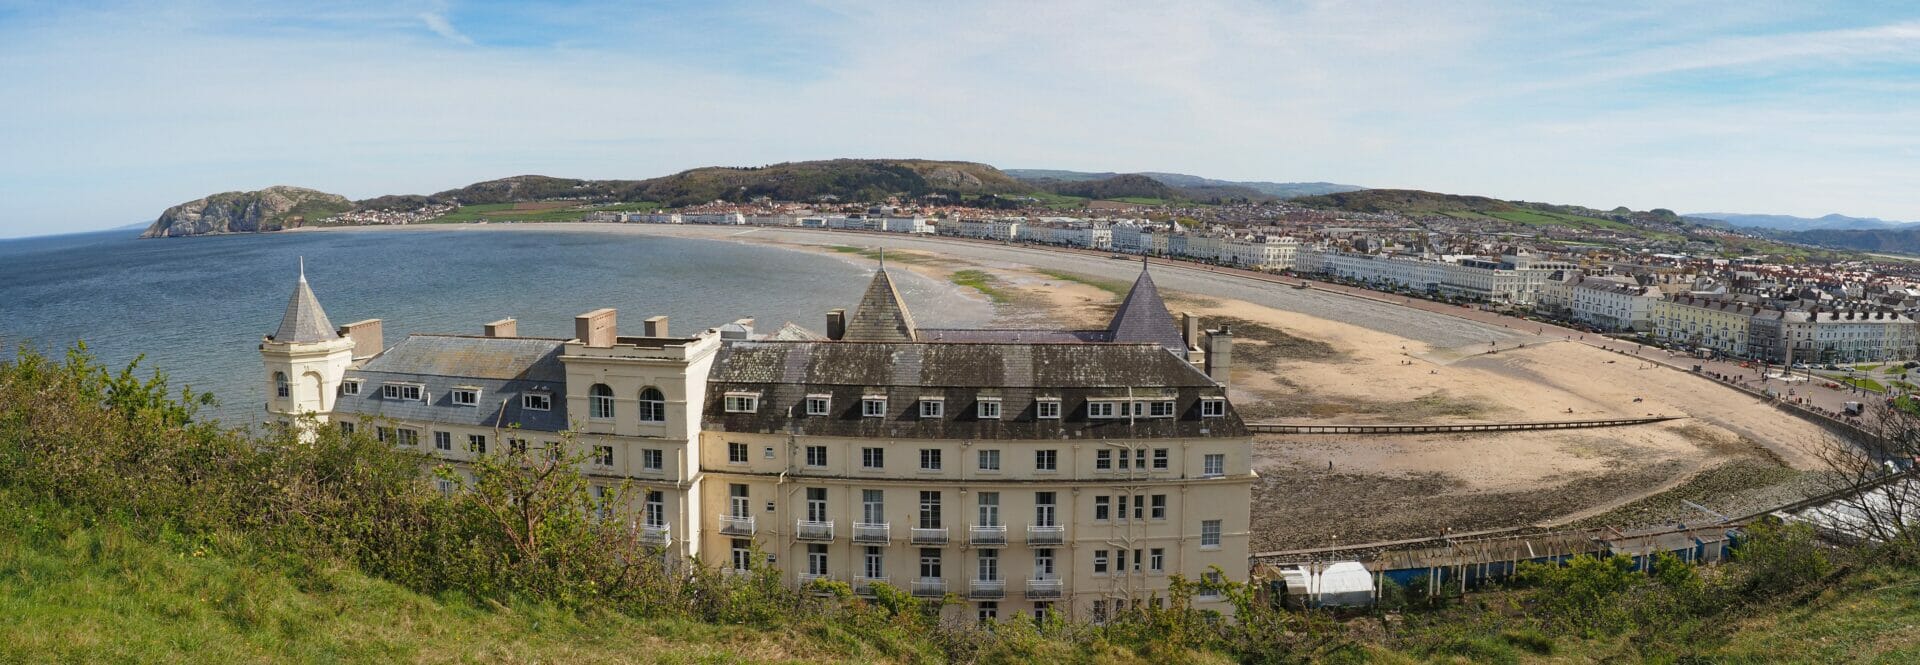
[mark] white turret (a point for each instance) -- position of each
(305, 359)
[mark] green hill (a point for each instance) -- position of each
(1416, 203)
(848, 180)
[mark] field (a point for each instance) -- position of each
(537, 211)
(1059, 201)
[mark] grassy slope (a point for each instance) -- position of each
(73, 591)
(1873, 617)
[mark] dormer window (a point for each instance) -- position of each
(932, 407)
(989, 408)
(536, 402)
(350, 387)
(819, 405)
(402, 391)
(1160, 409)
(1213, 408)
(1106, 409)
(1047, 408)
(873, 406)
(465, 396)
(742, 402)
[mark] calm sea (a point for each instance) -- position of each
(197, 307)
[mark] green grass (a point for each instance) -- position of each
(1116, 287)
(1868, 384)
(1059, 201)
(77, 589)
(504, 212)
(1544, 218)
(1140, 200)
(1866, 368)
(1871, 617)
(985, 283)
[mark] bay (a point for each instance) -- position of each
(196, 308)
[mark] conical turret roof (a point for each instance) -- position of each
(304, 320)
(1143, 317)
(881, 316)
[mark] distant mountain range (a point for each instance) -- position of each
(1898, 240)
(1791, 223)
(1281, 190)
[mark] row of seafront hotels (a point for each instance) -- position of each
(1730, 313)
(1034, 471)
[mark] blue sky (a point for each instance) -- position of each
(111, 112)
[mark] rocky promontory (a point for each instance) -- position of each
(271, 209)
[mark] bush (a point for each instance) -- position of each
(1778, 558)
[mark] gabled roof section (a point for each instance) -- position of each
(881, 316)
(304, 321)
(1143, 317)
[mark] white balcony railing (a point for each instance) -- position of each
(991, 535)
(809, 530)
(656, 534)
(736, 526)
(987, 589)
(864, 585)
(933, 587)
(936, 536)
(809, 578)
(1046, 535)
(865, 532)
(1045, 589)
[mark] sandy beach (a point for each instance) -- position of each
(1312, 356)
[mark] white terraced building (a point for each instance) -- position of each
(1035, 471)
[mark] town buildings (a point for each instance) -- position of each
(1033, 471)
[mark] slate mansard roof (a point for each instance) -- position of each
(961, 375)
(503, 368)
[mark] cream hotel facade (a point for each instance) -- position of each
(1034, 471)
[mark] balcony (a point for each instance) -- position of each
(930, 587)
(929, 536)
(809, 578)
(987, 589)
(808, 530)
(736, 526)
(1045, 589)
(660, 535)
(987, 536)
(1046, 535)
(864, 532)
(864, 585)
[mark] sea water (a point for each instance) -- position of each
(196, 308)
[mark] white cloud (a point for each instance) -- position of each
(164, 105)
(437, 22)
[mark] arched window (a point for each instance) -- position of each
(653, 406)
(600, 402)
(280, 386)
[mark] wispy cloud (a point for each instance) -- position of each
(438, 23)
(118, 112)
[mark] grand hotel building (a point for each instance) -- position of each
(1011, 470)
